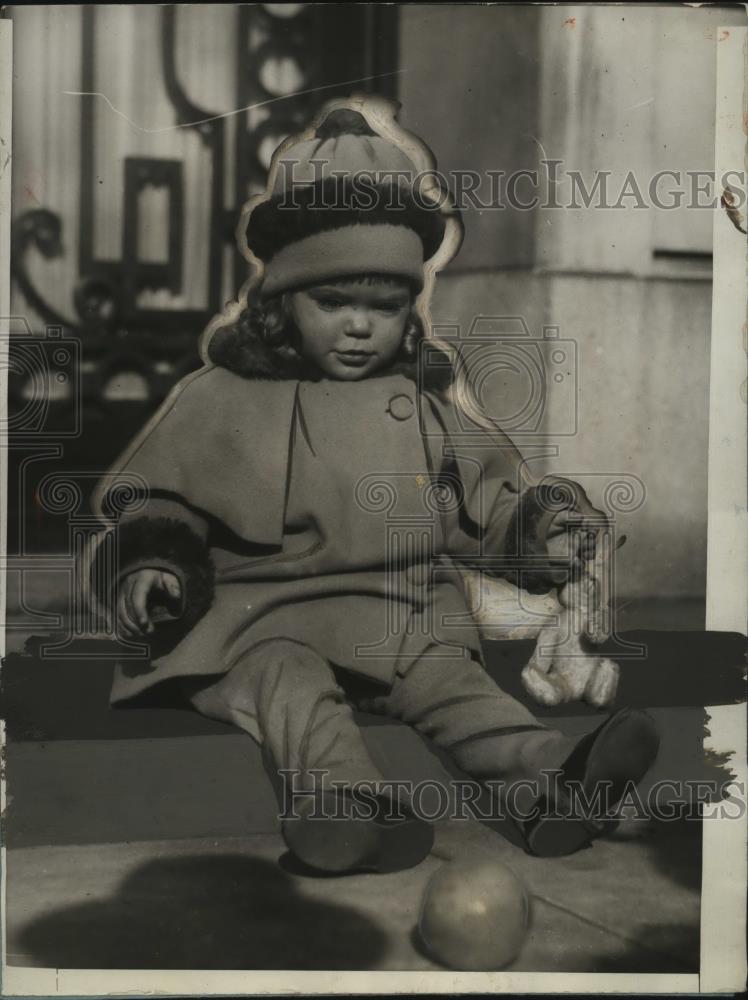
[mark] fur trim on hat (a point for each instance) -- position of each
(335, 203)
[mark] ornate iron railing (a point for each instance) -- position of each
(122, 354)
(330, 46)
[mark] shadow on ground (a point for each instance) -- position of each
(662, 942)
(676, 848)
(224, 912)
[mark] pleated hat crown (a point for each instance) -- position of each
(344, 143)
(343, 203)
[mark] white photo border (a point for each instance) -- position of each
(723, 962)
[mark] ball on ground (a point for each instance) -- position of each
(474, 915)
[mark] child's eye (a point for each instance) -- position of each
(390, 307)
(329, 303)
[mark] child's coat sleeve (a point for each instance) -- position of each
(215, 453)
(487, 470)
(510, 517)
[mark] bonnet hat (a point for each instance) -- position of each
(347, 200)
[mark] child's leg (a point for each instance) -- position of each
(487, 733)
(285, 696)
(492, 736)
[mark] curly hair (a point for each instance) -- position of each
(265, 340)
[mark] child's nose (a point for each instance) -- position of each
(359, 323)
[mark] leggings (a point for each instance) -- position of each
(288, 698)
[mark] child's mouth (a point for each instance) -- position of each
(354, 359)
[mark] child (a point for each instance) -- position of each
(309, 498)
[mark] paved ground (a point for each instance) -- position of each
(235, 903)
(139, 840)
(165, 854)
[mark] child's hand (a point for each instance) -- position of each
(139, 592)
(589, 524)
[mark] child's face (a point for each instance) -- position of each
(351, 329)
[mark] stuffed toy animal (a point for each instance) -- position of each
(566, 626)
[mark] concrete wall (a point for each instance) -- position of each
(601, 89)
(641, 399)
(469, 87)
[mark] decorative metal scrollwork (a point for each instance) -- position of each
(41, 229)
(290, 58)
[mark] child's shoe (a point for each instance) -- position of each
(353, 844)
(617, 754)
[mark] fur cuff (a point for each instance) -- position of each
(170, 544)
(527, 538)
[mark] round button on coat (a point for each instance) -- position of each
(401, 407)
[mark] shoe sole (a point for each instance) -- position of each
(557, 836)
(358, 845)
(630, 738)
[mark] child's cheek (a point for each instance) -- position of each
(327, 324)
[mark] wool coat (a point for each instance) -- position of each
(333, 513)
